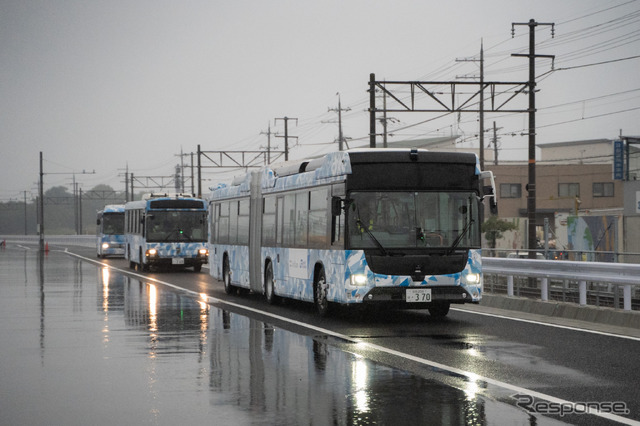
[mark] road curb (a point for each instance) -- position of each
(608, 316)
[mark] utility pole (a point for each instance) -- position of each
(181, 174)
(193, 191)
(80, 212)
(341, 139)
(286, 135)
(481, 112)
(372, 110)
(41, 210)
(268, 133)
(131, 182)
(25, 212)
(531, 187)
(179, 188)
(199, 173)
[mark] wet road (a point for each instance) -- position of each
(90, 342)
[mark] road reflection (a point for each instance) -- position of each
(274, 376)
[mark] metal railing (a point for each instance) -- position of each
(593, 283)
(574, 255)
(58, 240)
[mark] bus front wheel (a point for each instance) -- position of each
(439, 309)
(143, 266)
(226, 276)
(320, 293)
(269, 291)
(132, 264)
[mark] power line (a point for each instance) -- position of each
(596, 63)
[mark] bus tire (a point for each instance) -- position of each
(226, 276)
(320, 293)
(143, 266)
(269, 291)
(439, 309)
(197, 267)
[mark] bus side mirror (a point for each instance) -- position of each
(98, 222)
(336, 206)
(493, 204)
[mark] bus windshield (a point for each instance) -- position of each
(176, 226)
(409, 219)
(113, 223)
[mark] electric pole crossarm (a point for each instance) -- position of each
(516, 93)
(388, 93)
(154, 181)
(477, 94)
(229, 159)
(450, 106)
(431, 95)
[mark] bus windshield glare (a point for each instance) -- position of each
(409, 219)
(176, 226)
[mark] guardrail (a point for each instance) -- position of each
(62, 240)
(581, 282)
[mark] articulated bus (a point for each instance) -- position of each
(165, 230)
(384, 227)
(110, 231)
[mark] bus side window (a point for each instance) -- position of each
(318, 218)
(337, 221)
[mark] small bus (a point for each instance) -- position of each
(385, 227)
(164, 230)
(110, 231)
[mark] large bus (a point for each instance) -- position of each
(110, 231)
(385, 227)
(166, 230)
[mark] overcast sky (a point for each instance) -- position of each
(105, 85)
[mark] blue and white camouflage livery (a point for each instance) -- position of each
(110, 239)
(166, 230)
(295, 269)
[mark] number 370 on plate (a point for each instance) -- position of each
(416, 295)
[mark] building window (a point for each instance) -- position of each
(568, 189)
(510, 190)
(603, 189)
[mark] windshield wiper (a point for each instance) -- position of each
(370, 234)
(467, 226)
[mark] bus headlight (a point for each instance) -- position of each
(152, 252)
(358, 279)
(203, 252)
(472, 278)
(105, 246)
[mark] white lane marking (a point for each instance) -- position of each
(548, 324)
(473, 377)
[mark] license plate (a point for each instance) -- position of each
(177, 261)
(416, 295)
